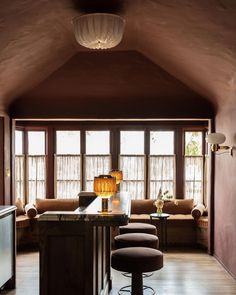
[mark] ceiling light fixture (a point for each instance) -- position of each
(99, 30)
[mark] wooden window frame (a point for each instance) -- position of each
(178, 126)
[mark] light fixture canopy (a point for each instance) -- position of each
(215, 139)
(118, 174)
(99, 30)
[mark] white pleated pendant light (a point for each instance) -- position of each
(99, 30)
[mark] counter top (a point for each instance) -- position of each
(119, 206)
(6, 208)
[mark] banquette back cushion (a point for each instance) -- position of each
(178, 206)
(43, 205)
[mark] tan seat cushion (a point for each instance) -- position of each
(43, 205)
(22, 221)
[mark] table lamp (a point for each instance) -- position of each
(104, 187)
(118, 174)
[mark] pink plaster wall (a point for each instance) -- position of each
(225, 191)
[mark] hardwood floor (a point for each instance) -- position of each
(184, 273)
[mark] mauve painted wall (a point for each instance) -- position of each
(225, 192)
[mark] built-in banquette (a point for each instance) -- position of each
(185, 226)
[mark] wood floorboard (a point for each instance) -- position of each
(184, 273)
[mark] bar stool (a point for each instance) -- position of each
(137, 227)
(136, 240)
(137, 260)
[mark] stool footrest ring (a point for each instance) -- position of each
(127, 289)
(145, 275)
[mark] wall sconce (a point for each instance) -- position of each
(215, 139)
(105, 187)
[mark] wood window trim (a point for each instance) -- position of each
(50, 127)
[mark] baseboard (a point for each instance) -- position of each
(230, 273)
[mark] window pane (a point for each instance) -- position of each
(161, 142)
(97, 142)
(133, 168)
(162, 175)
(18, 142)
(36, 142)
(95, 165)
(19, 177)
(193, 143)
(194, 178)
(68, 142)
(132, 142)
(67, 176)
(36, 177)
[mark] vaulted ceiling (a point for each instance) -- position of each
(193, 41)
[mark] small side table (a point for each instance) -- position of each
(163, 227)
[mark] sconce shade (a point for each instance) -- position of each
(104, 185)
(215, 138)
(118, 174)
(99, 30)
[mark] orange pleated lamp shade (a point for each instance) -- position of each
(104, 185)
(118, 174)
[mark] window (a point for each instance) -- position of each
(193, 165)
(67, 164)
(60, 161)
(161, 163)
(132, 163)
(36, 166)
(97, 157)
(19, 166)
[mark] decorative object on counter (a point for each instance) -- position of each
(99, 30)
(105, 187)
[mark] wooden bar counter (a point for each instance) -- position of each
(75, 248)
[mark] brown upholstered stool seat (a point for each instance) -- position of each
(137, 260)
(136, 240)
(137, 227)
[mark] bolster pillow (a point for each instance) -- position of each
(198, 211)
(30, 210)
(43, 205)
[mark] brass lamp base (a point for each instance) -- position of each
(105, 202)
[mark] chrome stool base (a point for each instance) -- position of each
(145, 275)
(127, 289)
